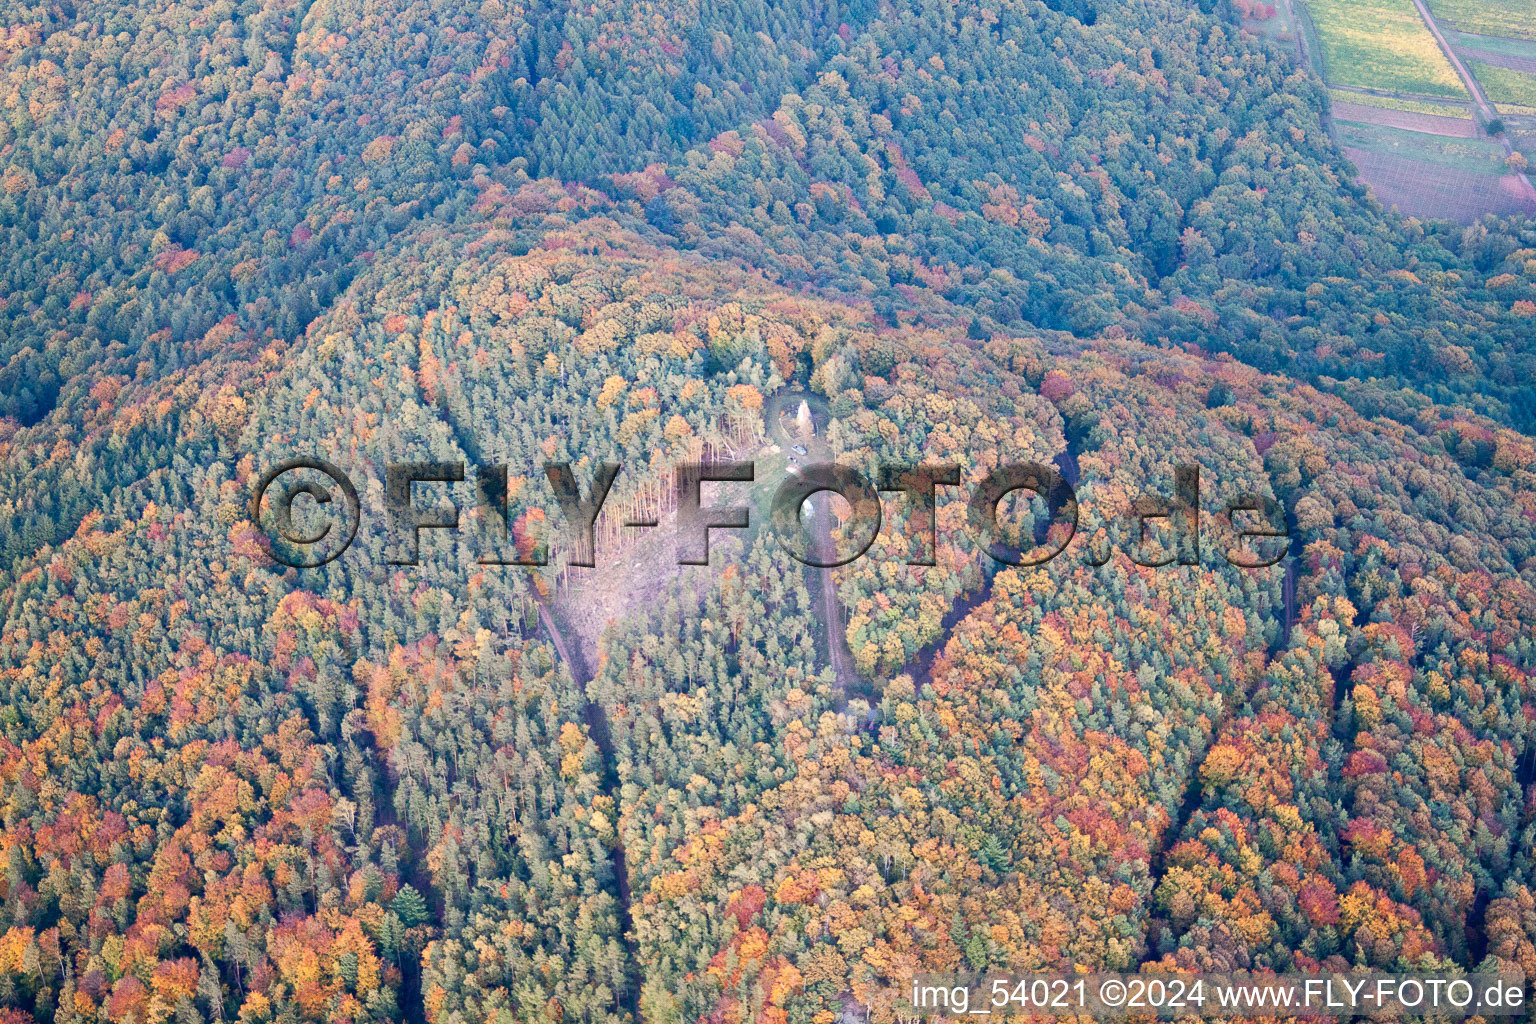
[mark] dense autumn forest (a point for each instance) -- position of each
(1112, 238)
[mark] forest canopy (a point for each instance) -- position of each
(1112, 239)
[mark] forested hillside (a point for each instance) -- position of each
(1109, 238)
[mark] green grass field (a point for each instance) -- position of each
(1382, 44)
(1505, 87)
(1366, 99)
(1488, 17)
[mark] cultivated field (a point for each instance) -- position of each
(1488, 17)
(1474, 155)
(1386, 117)
(1370, 99)
(1403, 114)
(1467, 42)
(1382, 44)
(1417, 188)
(1502, 60)
(1513, 92)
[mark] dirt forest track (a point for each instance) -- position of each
(595, 716)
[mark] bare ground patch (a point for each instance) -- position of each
(637, 566)
(639, 570)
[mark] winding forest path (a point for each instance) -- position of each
(595, 716)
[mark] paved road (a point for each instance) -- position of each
(1474, 88)
(846, 679)
(831, 609)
